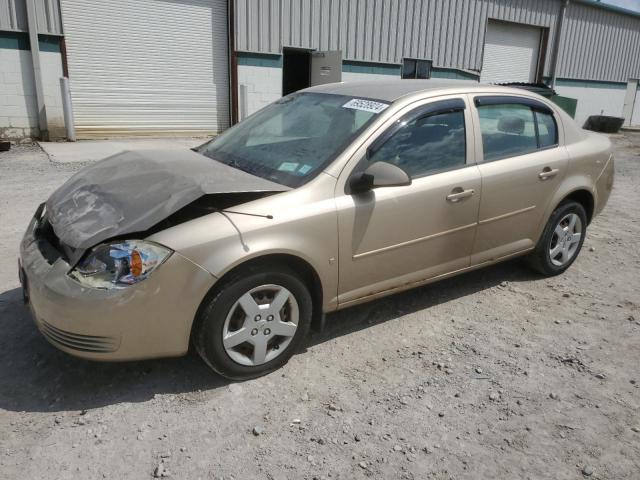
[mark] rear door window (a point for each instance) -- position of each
(512, 129)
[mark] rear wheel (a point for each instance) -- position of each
(254, 323)
(561, 240)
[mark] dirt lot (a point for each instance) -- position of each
(496, 374)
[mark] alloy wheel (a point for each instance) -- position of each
(565, 240)
(260, 325)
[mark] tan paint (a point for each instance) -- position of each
(150, 319)
(506, 215)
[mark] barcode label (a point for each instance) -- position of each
(365, 105)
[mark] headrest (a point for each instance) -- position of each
(511, 124)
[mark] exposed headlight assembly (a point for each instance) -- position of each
(119, 264)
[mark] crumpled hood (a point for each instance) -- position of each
(132, 191)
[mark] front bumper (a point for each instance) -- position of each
(146, 320)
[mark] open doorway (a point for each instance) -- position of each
(296, 70)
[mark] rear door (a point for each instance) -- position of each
(521, 165)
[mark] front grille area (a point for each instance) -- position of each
(75, 341)
(50, 245)
(47, 241)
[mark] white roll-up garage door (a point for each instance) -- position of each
(510, 53)
(147, 66)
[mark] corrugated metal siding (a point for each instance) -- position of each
(449, 32)
(48, 17)
(598, 44)
(13, 16)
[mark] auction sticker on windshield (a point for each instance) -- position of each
(365, 105)
(288, 166)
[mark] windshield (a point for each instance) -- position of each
(293, 139)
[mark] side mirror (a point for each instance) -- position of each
(379, 174)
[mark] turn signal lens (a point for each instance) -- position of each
(135, 264)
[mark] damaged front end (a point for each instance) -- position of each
(90, 243)
(212, 203)
(140, 193)
(98, 318)
(97, 222)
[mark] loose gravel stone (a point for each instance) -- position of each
(587, 471)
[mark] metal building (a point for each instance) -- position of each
(585, 49)
(196, 66)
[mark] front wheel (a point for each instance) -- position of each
(254, 323)
(561, 240)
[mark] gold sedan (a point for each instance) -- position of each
(329, 197)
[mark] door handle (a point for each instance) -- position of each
(458, 194)
(548, 173)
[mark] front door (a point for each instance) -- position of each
(326, 67)
(394, 237)
(521, 167)
(302, 68)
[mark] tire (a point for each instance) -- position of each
(223, 316)
(542, 259)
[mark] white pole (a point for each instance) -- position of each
(67, 109)
(557, 43)
(243, 102)
(37, 70)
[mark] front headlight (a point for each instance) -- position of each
(119, 264)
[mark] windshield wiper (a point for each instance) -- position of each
(270, 217)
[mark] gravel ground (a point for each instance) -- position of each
(496, 374)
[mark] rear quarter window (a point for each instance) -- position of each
(547, 129)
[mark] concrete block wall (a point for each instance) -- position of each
(260, 83)
(260, 78)
(635, 116)
(18, 110)
(594, 98)
(258, 87)
(18, 106)
(357, 76)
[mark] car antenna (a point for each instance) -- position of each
(270, 217)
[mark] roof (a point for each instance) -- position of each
(539, 88)
(393, 89)
(610, 7)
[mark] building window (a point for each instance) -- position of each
(412, 68)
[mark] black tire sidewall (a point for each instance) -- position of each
(213, 316)
(542, 252)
